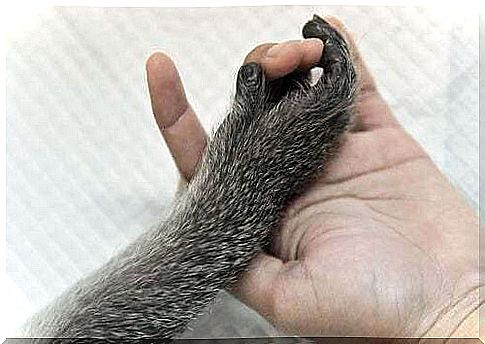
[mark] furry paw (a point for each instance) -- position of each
(335, 55)
(280, 133)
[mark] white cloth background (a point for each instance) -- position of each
(86, 168)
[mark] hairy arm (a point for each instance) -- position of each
(274, 140)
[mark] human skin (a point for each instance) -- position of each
(380, 245)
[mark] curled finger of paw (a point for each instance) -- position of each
(335, 56)
(250, 83)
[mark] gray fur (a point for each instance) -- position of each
(277, 136)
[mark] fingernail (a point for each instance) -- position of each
(276, 49)
(309, 43)
(313, 44)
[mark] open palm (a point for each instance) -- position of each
(380, 245)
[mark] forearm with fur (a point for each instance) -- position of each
(277, 136)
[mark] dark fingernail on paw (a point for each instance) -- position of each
(250, 73)
(312, 30)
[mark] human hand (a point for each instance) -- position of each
(381, 245)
